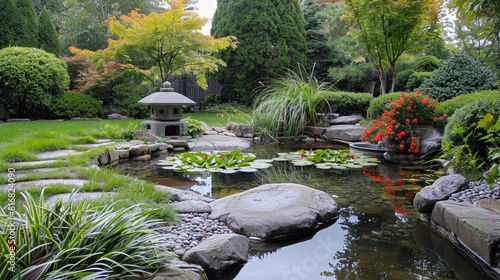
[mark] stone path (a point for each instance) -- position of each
(58, 154)
(46, 182)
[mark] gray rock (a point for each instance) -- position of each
(124, 154)
(275, 210)
(243, 130)
(114, 156)
(206, 128)
(314, 131)
(138, 150)
(354, 119)
(150, 137)
(116, 116)
(103, 158)
(219, 252)
(191, 206)
(141, 158)
(178, 143)
(182, 195)
(219, 142)
(177, 270)
(346, 132)
(441, 189)
(430, 139)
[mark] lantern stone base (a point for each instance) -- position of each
(166, 128)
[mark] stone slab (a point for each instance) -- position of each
(34, 163)
(25, 172)
(58, 154)
(77, 197)
(44, 183)
(219, 142)
(476, 227)
(346, 132)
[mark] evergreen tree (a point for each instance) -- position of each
(47, 35)
(320, 55)
(9, 23)
(271, 38)
(28, 37)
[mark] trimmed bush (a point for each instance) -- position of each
(402, 79)
(126, 98)
(30, 79)
(71, 104)
(458, 75)
(350, 103)
(380, 104)
(416, 79)
(427, 63)
(451, 105)
(467, 118)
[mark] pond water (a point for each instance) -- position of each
(378, 234)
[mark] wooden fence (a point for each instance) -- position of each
(186, 85)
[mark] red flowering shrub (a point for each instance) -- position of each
(399, 124)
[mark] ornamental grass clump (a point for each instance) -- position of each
(398, 126)
(77, 241)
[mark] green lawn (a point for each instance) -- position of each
(21, 142)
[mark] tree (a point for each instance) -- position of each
(320, 56)
(474, 10)
(47, 35)
(387, 29)
(271, 38)
(30, 78)
(9, 23)
(170, 41)
(28, 37)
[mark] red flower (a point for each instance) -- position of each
(408, 108)
(415, 120)
(407, 121)
(402, 146)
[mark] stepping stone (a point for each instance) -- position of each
(33, 163)
(91, 146)
(58, 154)
(77, 197)
(22, 173)
(44, 183)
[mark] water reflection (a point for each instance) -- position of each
(374, 237)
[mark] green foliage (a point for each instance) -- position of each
(329, 159)
(195, 128)
(289, 104)
(271, 37)
(30, 78)
(71, 104)
(402, 79)
(48, 39)
(28, 37)
(117, 132)
(349, 103)
(427, 63)
(458, 75)
(126, 97)
(451, 105)
(350, 77)
(462, 131)
(10, 23)
(492, 137)
(379, 104)
(416, 79)
(77, 241)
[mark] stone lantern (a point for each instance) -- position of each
(165, 108)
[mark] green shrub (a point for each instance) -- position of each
(427, 63)
(30, 79)
(78, 241)
(380, 104)
(349, 103)
(461, 128)
(458, 75)
(451, 105)
(126, 97)
(402, 78)
(416, 79)
(195, 128)
(71, 104)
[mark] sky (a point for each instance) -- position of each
(206, 8)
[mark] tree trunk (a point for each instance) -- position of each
(393, 70)
(383, 82)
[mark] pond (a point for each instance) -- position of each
(378, 234)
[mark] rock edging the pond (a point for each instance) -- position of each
(467, 211)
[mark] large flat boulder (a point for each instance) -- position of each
(274, 211)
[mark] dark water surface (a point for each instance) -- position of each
(378, 234)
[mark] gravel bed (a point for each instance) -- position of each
(477, 190)
(191, 230)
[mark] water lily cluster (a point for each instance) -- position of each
(398, 124)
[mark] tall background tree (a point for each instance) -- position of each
(320, 55)
(47, 36)
(28, 37)
(271, 38)
(10, 23)
(387, 29)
